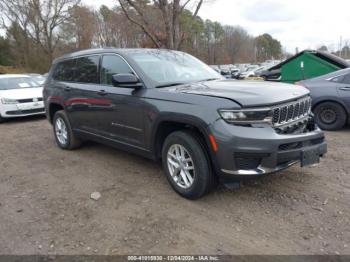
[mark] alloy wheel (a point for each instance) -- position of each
(181, 166)
(61, 131)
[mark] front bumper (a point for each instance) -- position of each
(22, 109)
(247, 152)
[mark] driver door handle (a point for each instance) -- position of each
(347, 88)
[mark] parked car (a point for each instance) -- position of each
(250, 72)
(225, 71)
(20, 96)
(169, 106)
(271, 75)
(331, 99)
(235, 72)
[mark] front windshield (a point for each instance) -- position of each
(17, 83)
(39, 79)
(173, 67)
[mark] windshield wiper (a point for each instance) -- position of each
(169, 85)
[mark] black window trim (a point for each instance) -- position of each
(101, 55)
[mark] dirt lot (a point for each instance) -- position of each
(45, 205)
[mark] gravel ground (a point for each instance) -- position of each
(45, 204)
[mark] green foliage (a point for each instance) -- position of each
(5, 56)
(105, 12)
(214, 31)
(267, 47)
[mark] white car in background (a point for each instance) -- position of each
(249, 72)
(20, 95)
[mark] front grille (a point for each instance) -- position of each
(290, 112)
(25, 112)
(30, 100)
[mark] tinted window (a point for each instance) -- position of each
(64, 71)
(87, 69)
(112, 65)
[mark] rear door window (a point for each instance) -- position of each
(87, 69)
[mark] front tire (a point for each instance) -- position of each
(186, 165)
(330, 116)
(64, 136)
(1, 119)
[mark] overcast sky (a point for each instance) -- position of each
(296, 23)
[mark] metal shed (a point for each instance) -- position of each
(305, 65)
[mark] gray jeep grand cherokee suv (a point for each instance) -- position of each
(167, 105)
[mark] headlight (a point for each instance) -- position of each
(8, 101)
(247, 116)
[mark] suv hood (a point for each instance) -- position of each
(246, 93)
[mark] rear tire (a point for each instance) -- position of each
(330, 116)
(189, 173)
(64, 135)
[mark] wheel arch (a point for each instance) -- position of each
(53, 108)
(165, 125)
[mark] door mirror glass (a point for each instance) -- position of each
(126, 80)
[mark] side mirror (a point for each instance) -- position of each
(126, 81)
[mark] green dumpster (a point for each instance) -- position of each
(309, 64)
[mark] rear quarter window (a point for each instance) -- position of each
(64, 71)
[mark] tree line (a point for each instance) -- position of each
(37, 31)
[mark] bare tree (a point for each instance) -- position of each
(80, 29)
(238, 44)
(39, 19)
(171, 35)
(114, 30)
